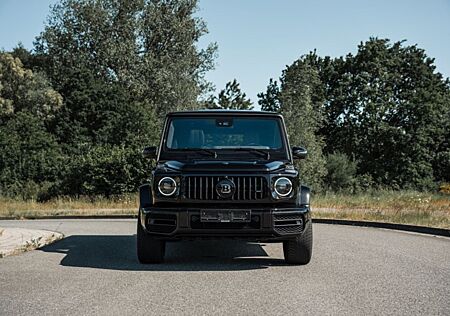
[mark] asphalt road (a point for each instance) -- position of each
(364, 271)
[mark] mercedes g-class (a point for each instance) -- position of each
(224, 174)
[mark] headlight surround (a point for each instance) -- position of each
(283, 186)
(167, 186)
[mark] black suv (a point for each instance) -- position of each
(224, 174)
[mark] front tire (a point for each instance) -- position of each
(299, 249)
(149, 249)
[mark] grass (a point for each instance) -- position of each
(83, 206)
(404, 207)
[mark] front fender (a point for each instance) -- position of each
(145, 196)
(304, 196)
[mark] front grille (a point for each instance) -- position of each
(288, 223)
(247, 187)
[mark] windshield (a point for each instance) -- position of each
(224, 133)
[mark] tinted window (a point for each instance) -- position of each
(224, 132)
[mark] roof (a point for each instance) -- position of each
(208, 112)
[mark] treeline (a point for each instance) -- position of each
(379, 118)
(76, 110)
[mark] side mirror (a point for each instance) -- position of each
(150, 152)
(299, 152)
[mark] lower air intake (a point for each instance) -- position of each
(162, 223)
(285, 224)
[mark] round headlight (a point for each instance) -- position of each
(167, 186)
(283, 186)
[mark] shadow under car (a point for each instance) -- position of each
(118, 252)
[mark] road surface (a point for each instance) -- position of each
(354, 270)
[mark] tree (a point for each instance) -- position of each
(230, 98)
(118, 67)
(441, 162)
(148, 47)
(270, 100)
(386, 107)
(303, 116)
(23, 90)
(29, 156)
(98, 113)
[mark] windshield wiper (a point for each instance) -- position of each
(263, 153)
(202, 150)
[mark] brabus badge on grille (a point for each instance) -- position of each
(225, 188)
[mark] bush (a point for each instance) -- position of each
(444, 188)
(104, 170)
(442, 166)
(341, 173)
(30, 159)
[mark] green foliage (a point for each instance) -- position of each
(30, 159)
(147, 47)
(341, 172)
(30, 155)
(301, 110)
(23, 90)
(76, 112)
(270, 100)
(442, 166)
(96, 112)
(230, 98)
(104, 170)
(116, 67)
(385, 106)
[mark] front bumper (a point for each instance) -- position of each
(266, 224)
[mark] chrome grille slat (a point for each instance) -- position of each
(239, 188)
(252, 189)
(261, 188)
(232, 179)
(195, 185)
(188, 189)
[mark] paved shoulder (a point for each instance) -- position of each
(17, 240)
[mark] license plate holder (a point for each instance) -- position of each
(225, 216)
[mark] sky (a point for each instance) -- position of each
(258, 38)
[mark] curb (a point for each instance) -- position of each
(18, 240)
(401, 227)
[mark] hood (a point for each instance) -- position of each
(217, 166)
